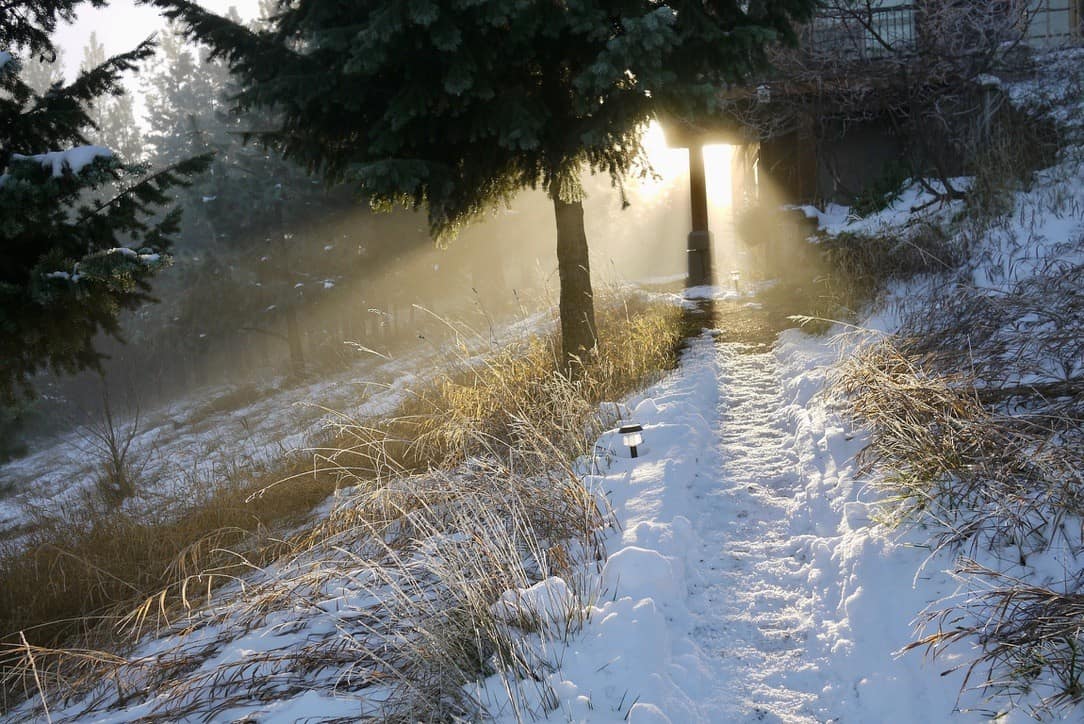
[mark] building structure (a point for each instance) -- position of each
(875, 88)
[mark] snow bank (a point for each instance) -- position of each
(913, 203)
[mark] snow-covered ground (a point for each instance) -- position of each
(746, 582)
(192, 442)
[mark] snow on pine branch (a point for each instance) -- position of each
(74, 159)
(147, 258)
(133, 254)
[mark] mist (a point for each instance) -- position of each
(262, 304)
(367, 285)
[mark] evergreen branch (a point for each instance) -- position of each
(60, 116)
(149, 189)
(106, 78)
(30, 23)
(239, 45)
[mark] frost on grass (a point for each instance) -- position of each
(413, 587)
(975, 407)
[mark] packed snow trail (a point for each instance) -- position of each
(750, 611)
(745, 582)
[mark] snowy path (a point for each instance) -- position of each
(750, 612)
(746, 583)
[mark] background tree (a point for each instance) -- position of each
(113, 115)
(188, 113)
(456, 106)
(80, 231)
(183, 95)
(253, 204)
(40, 73)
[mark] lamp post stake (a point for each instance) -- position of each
(699, 241)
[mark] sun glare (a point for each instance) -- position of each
(672, 167)
(669, 163)
(717, 164)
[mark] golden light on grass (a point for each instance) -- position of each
(91, 584)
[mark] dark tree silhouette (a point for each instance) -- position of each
(457, 105)
(81, 233)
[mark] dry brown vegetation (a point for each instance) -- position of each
(485, 447)
(977, 439)
(1030, 637)
(979, 476)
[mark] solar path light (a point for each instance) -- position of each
(631, 437)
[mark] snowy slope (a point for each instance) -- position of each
(746, 583)
(182, 448)
(745, 579)
(182, 443)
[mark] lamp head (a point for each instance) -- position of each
(631, 434)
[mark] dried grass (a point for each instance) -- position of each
(469, 491)
(1031, 638)
(977, 436)
(859, 266)
(942, 457)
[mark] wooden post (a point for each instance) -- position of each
(699, 240)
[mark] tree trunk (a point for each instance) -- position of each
(578, 336)
(293, 334)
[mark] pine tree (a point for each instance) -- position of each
(42, 73)
(182, 96)
(183, 92)
(456, 105)
(113, 116)
(188, 112)
(252, 200)
(81, 232)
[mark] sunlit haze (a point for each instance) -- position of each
(508, 255)
(122, 25)
(669, 163)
